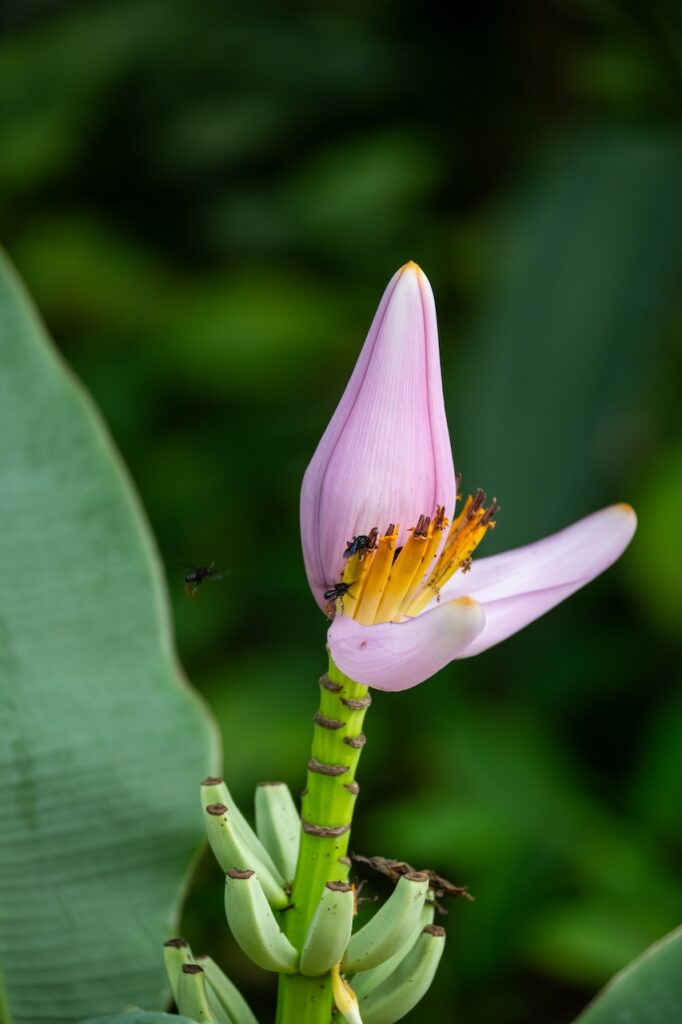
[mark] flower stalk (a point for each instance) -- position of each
(327, 813)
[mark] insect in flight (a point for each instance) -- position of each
(197, 574)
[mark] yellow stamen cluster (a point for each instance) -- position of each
(384, 583)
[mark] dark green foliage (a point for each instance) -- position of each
(206, 201)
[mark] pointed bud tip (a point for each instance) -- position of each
(411, 265)
(625, 507)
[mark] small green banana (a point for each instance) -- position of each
(329, 930)
(225, 999)
(367, 981)
(176, 953)
(410, 981)
(278, 825)
(215, 791)
(231, 851)
(216, 1008)
(253, 925)
(191, 999)
(391, 927)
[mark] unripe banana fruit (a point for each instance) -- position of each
(391, 927)
(225, 1000)
(253, 924)
(214, 791)
(176, 953)
(367, 981)
(403, 989)
(278, 825)
(329, 930)
(231, 851)
(191, 999)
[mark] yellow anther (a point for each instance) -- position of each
(433, 540)
(376, 579)
(386, 588)
(405, 568)
(355, 575)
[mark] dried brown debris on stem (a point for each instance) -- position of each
(395, 869)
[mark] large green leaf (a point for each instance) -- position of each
(647, 991)
(101, 741)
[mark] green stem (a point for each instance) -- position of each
(328, 802)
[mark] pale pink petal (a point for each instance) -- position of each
(578, 553)
(519, 586)
(385, 456)
(396, 656)
(507, 616)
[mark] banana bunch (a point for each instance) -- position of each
(200, 989)
(235, 844)
(394, 957)
(378, 974)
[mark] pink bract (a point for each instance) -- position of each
(386, 458)
(386, 455)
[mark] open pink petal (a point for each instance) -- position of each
(519, 586)
(395, 656)
(505, 617)
(385, 456)
(578, 553)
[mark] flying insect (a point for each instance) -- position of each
(198, 574)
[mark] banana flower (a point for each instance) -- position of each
(387, 551)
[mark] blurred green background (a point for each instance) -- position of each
(206, 201)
